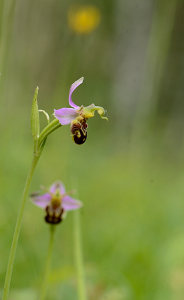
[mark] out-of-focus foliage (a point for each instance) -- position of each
(129, 174)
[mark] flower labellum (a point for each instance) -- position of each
(77, 116)
(79, 131)
(55, 203)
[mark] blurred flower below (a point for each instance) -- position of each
(55, 202)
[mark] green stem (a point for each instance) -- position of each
(47, 264)
(79, 257)
(17, 230)
(47, 130)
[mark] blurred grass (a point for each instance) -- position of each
(133, 210)
(132, 190)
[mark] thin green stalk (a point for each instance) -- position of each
(47, 264)
(17, 230)
(79, 257)
(48, 130)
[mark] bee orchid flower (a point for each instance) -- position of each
(55, 202)
(77, 116)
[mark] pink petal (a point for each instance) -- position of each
(65, 115)
(68, 203)
(72, 88)
(42, 200)
(57, 186)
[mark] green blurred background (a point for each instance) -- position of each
(129, 174)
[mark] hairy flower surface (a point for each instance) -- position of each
(77, 116)
(55, 202)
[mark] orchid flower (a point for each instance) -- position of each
(55, 202)
(78, 115)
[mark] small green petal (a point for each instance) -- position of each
(100, 110)
(89, 111)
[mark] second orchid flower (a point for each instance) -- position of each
(55, 203)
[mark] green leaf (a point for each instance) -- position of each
(35, 122)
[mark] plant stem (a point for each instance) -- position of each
(17, 230)
(48, 129)
(47, 264)
(79, 257)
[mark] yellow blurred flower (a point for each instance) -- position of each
(83, 19)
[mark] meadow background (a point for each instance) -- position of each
(130, 172)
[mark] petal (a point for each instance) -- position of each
(72, 88)
(41, 200)
(89, 111)
(57, 186)
(65, 115)
(68, 203)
